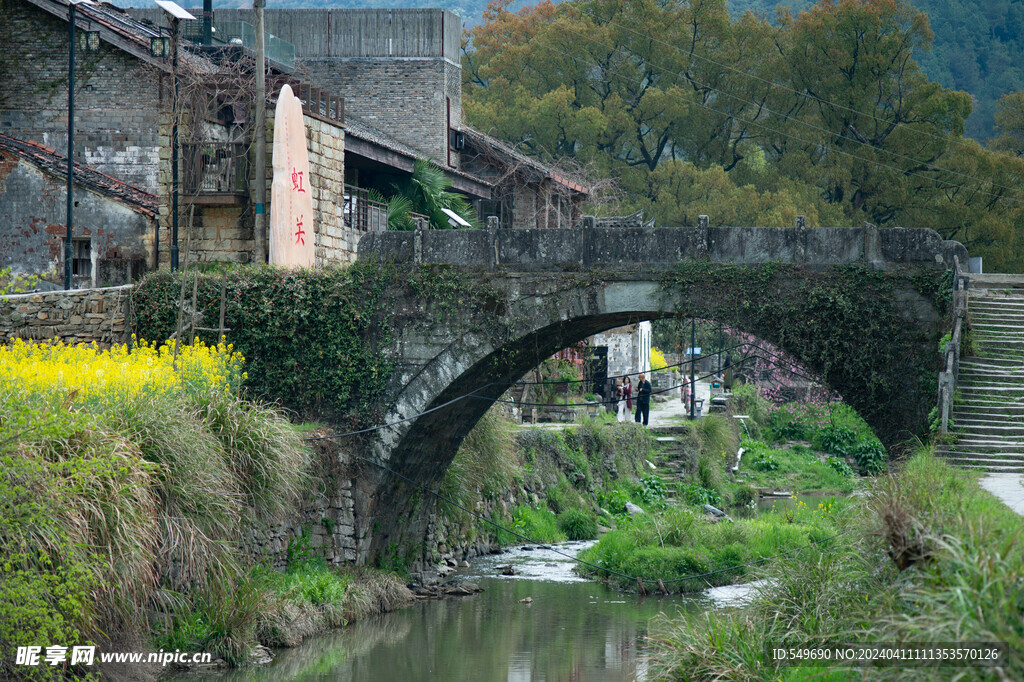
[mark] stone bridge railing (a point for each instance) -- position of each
(657, 248)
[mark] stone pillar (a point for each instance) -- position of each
(703, 241)
(587, 240)
(417, 245)
(800, 250)
(492, 242)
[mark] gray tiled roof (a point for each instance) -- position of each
(56, 164)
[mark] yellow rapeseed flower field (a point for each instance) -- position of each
(84, 373)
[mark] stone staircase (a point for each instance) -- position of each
(672, 454)
(989, 414)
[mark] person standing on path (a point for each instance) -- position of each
(627, 392)
(643, 399)
(620, 402)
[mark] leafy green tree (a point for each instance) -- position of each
(824, 114)
(1010, 124)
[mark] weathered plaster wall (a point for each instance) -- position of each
(33, 213)
(117, 99)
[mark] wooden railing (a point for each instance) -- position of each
(215, 168)
(951, 365)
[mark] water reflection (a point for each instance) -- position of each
(574, 630)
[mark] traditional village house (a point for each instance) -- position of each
(401, 76)
(118, 220)
(398, 70)
(527, 193)
(123, 126)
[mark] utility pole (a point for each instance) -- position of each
(68, 251)
(719, 347)
(260, 143)
(693, 362)
(174, 146)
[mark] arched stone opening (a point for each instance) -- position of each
(869, 335)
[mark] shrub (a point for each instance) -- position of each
(614, 501)
(744, 496)
(577, 525)
(537, 524)
(305, 333)
(763, 460)
(717, 435)
(836, 440)
(709, 472)
(840, 466)
(694, 493)
(870, 456)
(652, 490)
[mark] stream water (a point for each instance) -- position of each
(573, 630)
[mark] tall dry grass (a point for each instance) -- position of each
(930, 558)
(124, 511)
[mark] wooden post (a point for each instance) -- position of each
(192, 325)
(223, 305)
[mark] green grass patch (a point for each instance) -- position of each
(930, 558)
(537, 523)
(797, 469)
(577, 525)
(678, 542)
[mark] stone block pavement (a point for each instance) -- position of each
(1007, 487)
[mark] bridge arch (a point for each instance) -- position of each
(868, 326)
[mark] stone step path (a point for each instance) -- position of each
(989, 416)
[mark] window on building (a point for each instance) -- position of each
(81, 259)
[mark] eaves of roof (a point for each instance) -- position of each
(501, 148)
(49, 161)
(358, 129)
(115, 27)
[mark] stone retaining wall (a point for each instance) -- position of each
(77, 316)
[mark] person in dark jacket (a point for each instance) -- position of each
(643, 399)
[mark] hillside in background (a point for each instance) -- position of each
(977, 47)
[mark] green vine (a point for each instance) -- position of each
(850, 324)
(314, 340)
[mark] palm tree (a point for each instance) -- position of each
(427, 191)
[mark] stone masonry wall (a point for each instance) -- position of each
(78, 316)
(403, 97)
(326, 143)
(117, 98)
(327, 524)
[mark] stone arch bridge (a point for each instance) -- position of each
(861, 307)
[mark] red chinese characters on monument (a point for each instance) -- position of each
(299, 231)
(297, 181)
